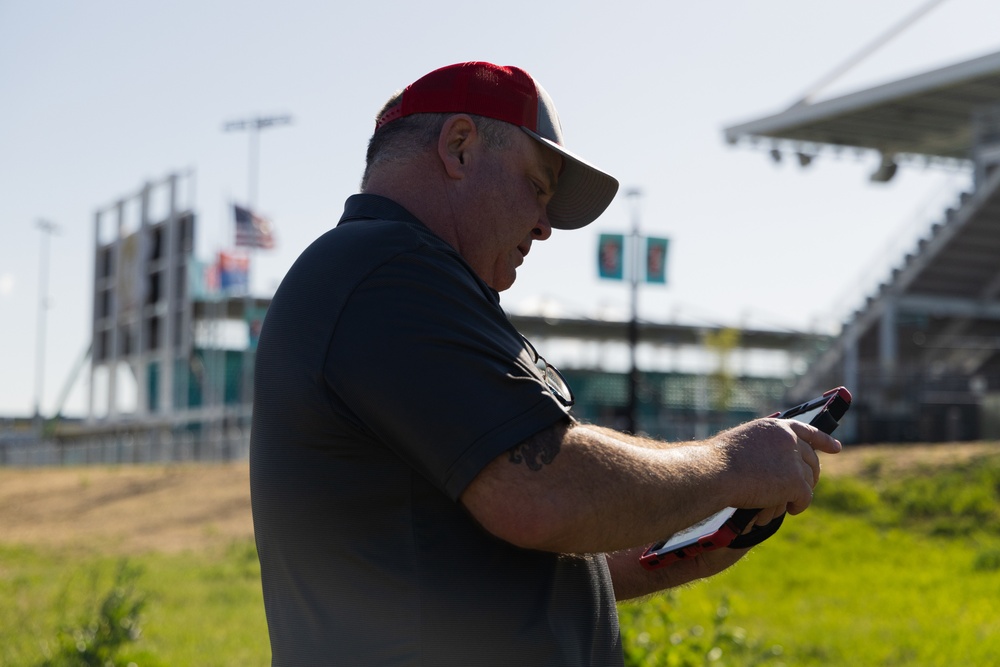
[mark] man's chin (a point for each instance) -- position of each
(505, 283)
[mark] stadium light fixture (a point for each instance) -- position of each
(886, 170)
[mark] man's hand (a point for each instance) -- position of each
(781, 455)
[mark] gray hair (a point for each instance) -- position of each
(405, 137)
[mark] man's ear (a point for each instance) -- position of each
(457, 142)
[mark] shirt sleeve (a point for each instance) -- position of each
(427, 362)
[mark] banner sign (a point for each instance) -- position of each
(656, 260)
(611, 256)
(255, 321)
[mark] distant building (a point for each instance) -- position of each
(922, 355)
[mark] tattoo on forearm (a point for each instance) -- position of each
(535, 452)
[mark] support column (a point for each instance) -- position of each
(888, 353)
(95, 305)
(850, 426)
(112, 356)
(170, 325)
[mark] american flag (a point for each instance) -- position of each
(252, 230)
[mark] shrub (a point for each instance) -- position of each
(965, 494)
(846, 494)
(987, 560)
(959, 500)
(99, 636)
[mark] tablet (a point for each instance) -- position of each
(725, 528)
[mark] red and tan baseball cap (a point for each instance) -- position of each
(510, 94)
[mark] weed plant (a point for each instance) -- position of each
(102, 635)
(654, 635)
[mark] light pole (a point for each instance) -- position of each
(48, 229)
(633, 326)
(253, 126)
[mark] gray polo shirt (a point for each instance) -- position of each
(387, 377)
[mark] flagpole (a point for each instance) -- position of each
(252, 126)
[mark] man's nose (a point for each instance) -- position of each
(543, 229)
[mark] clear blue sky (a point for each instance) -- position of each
(100, 96)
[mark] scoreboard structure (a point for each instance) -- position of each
(142, 325)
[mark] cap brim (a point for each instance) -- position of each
(583, 192)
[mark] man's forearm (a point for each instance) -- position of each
(581, 489)
(586, 490)
(635, 440)
(632, 580)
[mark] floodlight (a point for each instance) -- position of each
(886, 170)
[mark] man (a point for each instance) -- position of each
(421, 493)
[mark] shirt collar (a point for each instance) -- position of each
(375, 207)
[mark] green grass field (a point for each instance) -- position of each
(835, 590)
(881, 571)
